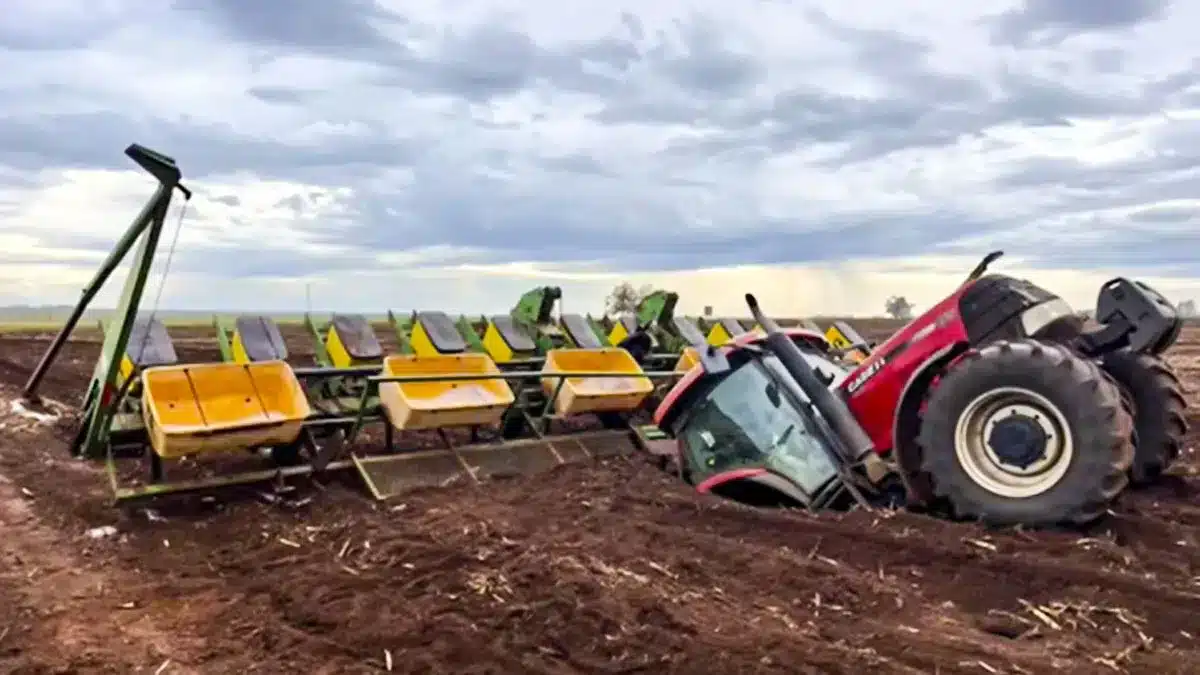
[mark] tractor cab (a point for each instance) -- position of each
(749, 432)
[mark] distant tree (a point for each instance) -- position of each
(1187, 309)
(623, 299)
(898, 307)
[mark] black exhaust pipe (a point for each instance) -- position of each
(854, 439)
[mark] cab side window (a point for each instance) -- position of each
(717, 436)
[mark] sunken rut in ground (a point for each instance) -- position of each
(613, 568)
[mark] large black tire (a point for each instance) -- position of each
(1077, 409)
(1159, 411)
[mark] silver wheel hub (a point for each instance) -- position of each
(1013, 442)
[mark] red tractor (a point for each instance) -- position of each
(999, 403)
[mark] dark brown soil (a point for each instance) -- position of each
(613, 568)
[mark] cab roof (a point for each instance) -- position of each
(696, 373)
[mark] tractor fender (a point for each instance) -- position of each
(907, 422)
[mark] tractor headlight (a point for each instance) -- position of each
(1039, 316)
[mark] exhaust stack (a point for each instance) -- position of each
(835, 411)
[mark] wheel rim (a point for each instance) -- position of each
(1013, 442)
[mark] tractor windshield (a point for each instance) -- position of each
(746, 421)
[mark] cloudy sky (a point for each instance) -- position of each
(452, 153)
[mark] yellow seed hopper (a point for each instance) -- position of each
(257, 338)
(723, 331)
(505, 340)
(594, 394)
(843, 336)
(435, 404)
(687, 360)
(218, 407)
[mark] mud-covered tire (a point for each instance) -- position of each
(1094, 447)
(1159, 411)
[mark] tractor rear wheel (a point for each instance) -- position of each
(1028, 433)
(1159, 411)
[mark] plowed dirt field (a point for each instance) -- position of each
(611, 568)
